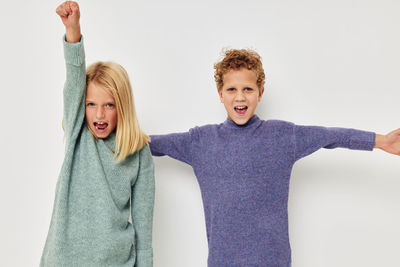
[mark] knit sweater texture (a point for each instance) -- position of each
(95, 196)
(244, 172)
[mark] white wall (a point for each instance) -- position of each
(330, 63)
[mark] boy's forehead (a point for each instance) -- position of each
(242, 75)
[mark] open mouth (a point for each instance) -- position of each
(100, 126)
(241, 110)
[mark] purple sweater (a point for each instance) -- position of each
(244, 172)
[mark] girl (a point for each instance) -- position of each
(107, 174)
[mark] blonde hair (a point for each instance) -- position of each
(234, 59)
(129, 138)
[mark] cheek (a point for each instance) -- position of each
(114, 117)
(256, 98)
(87, 114)
(226, 99)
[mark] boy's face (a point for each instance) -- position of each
(240, 94)
(100, 110)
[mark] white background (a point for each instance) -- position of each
(329, 63)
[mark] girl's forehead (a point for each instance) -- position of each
(95, 90)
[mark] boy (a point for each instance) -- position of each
(243, 166)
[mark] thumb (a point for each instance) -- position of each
(74, 8)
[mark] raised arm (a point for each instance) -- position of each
(75, 85)
(142, 209)
(389, 142)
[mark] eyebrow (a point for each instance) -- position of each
(107, 102)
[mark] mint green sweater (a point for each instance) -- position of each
(95, 195)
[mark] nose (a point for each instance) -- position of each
(100, 113)
(239, 96)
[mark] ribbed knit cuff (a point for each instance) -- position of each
(74, 53)
(362, 141)
(144, 258)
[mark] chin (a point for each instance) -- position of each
(99, 135)
(241, 121)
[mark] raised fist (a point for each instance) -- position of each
(69, 14)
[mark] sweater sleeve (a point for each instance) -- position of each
(177, 145)
(74, 89)
(142, 209)
(308, 139)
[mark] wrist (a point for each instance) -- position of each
(73, 34)
(379, 141)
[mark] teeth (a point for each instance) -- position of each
(241, 107)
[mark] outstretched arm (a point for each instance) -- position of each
(389, 142)
(176, 145)
(309, 139)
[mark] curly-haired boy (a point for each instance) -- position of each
(243, 166)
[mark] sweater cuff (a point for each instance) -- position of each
(74, 53)
(144, 258)
(362, 141)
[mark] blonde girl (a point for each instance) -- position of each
(103, 207)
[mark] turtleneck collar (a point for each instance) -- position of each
(253, 122)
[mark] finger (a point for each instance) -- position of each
(68, 7)
(62, 13)
(74, 5)
(74, 8)
(63, 9)
(397, 132)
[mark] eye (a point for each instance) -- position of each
(90, 104)
(248, 89)
(110, 105)
(231, 89)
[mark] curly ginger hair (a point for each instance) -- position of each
(235, 59)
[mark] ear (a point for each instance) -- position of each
(260, 93)
(220, 95)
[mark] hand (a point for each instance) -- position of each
(389, 143)
(69, 14)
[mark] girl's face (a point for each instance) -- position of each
(100, 110)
